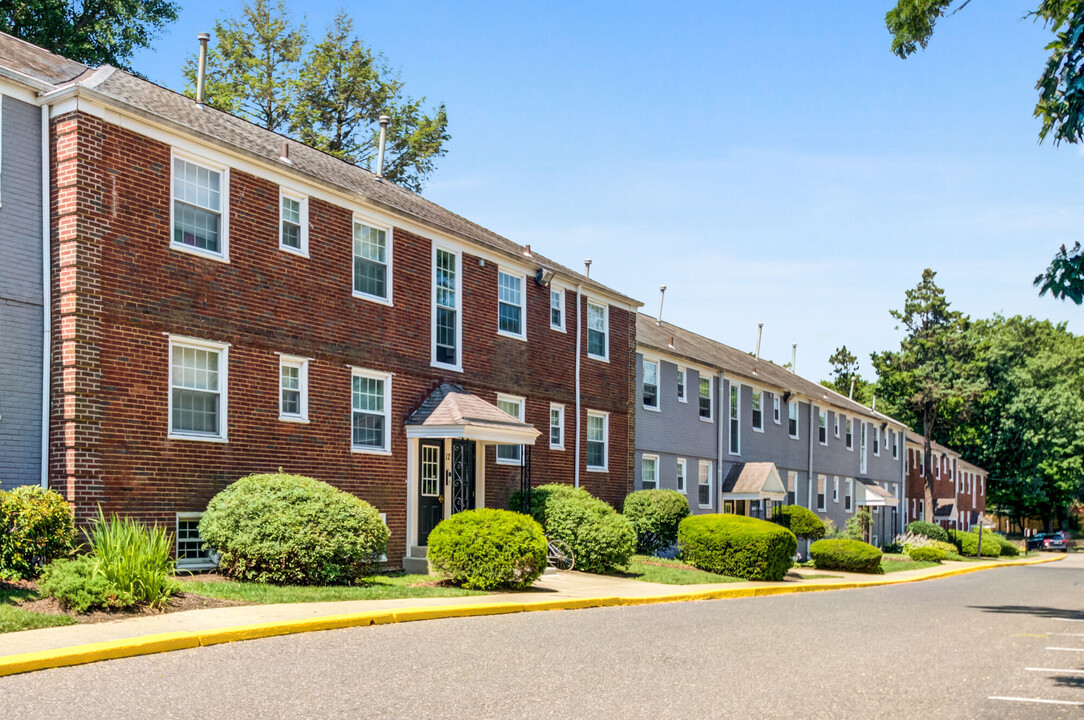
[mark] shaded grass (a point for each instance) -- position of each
(14, 618)
(377, 587)
(670, 572)
(891, 566)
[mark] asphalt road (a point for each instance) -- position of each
(931, 650)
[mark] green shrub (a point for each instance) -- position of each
(79, 588)
(36, 527)
(968, 544)
(600, 538)
(858, 525)
(848, 555)
(801, 521)
(926, 554)
(1008, 548)
(289, 529)
(655, 515)
(737, 546)
(928, 529)
(488, 549)
(134, 559)
(945, 547)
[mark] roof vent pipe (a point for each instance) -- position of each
(850, 396)
(587, 268)
(662, 293)
(760, 332)
(384, 120)
(794, 358)
(201, 72)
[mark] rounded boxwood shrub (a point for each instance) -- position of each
(927, 529)
(847, 555)
(289, 529)
(601, 539)
(488, 549)
(78, 586)
(801, 521)
(968, 544)
(737, 546)
(36, 527)
(1008, 548)
(655, 515)
(926, 553)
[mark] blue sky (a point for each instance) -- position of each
(768, 162)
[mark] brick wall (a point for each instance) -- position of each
(122, 291)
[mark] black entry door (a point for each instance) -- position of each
(431, 495)
(462, 475)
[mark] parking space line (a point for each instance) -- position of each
(1037, 700)
(1067, 649)
(1056, 670)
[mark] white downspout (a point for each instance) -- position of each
(47, 294)
(719, 462)
(810, 480)
(579, 341)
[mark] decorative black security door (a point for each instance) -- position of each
(431, 490)
(462, 475)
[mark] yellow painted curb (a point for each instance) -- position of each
(164, 642)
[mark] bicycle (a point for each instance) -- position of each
(559, 555)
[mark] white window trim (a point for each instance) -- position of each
(683, 474)
(375, 375)
(822, 508)
(835, 489)
(658, 384)
(863, 444)
(224, 211)
(223, 384)
(303, 200)
(683, 394)
(561, 409)
(560, 292)
(522, 335)
(711, 484)
(849, 443)
(189, 564)
(876, 441)
(895, 445)
(752, 409)
(302, 363)
(733, 413)
(647, 456)
(388, 254)
(850, 495)
(835, 425)
(458, 366)
(777, 409)
(522, 414)
(605, 441)
(822, 414)
(711, 399)
(587, 330)
(797, 419)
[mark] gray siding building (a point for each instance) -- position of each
(771, 437)
(21, 288)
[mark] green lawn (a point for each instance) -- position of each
(892, 564)
(13, 618)
(378, 587)
(671, 572)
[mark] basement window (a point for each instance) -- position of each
(190, 552)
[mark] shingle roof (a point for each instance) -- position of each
(668, 338)
(915, 439)
(450, 404)
(751, 477)
(220, 128)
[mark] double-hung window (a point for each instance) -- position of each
(510, 302)
(821, 482)
(446, 318)
(850, 434)
(705, 399)
(200, 218)
(835, 425)
(514, 406)
(822, 427)
(681, 468)
(370, 422)
(372, 255)
(293, 388)
(895, 445)
(792, 486)
(293, 223)
(597, 440)
(758, 411)
(557, 426)
(598, 331)
(848, 501)
(557, 309)
(776, 414)
(704, 484)
(649, 472)
(735, 419)
(876, 440)
(651, 384)
(197, 396)
(681, 385)
(792, 418)
(835, 489)
(862, 446)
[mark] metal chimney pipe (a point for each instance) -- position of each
(662, 294)
(587, 268)
(384, 120)
(760, 332)
(201, 72)
(851, 394)
(794, 358)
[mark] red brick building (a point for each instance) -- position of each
(959, 488)
(226, 301)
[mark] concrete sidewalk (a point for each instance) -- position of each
(568, 586)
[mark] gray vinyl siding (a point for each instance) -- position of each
(20, 294)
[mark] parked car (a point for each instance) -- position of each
(1049, 541)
